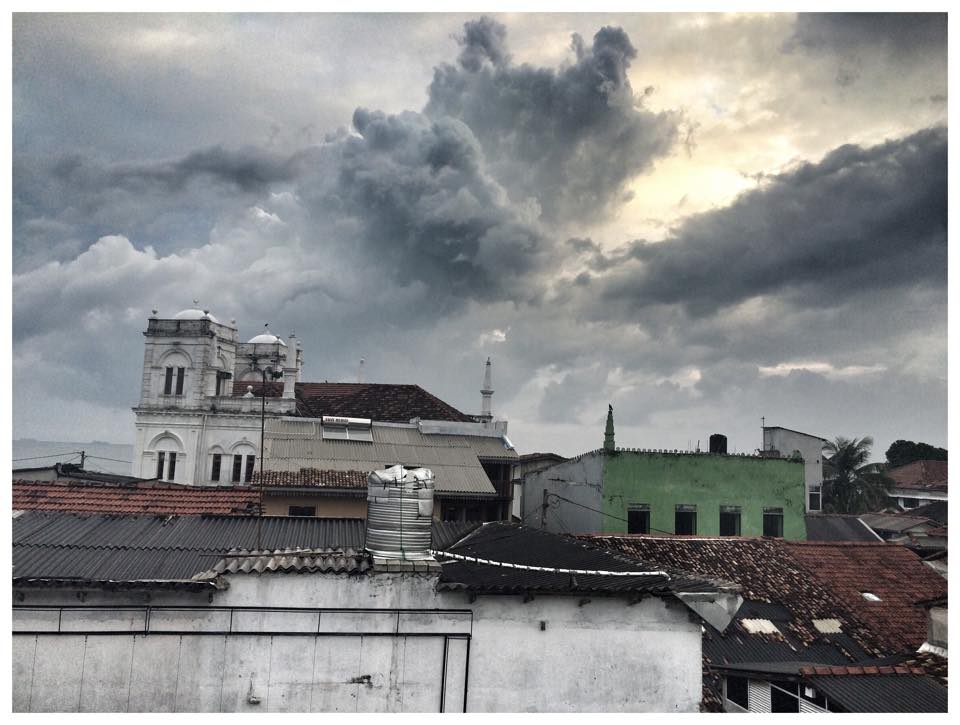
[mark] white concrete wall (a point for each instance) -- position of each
(605, 655)
(810, 447)
(577, 480)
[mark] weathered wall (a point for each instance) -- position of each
(663, 480)
(577, 480)
(603, 655)
(810, 447)
(327, 506)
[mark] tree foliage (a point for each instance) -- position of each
(902, 452)
(852, 485)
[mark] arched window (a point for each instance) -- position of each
(173, 369)
(216, 464)
(243, 462)
(168, 450)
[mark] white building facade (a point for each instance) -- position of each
(189, 427)
(810, 447)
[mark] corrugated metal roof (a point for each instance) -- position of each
(101, 547)
(293, 445)
(883, 693)
(301, 561)
(836, 527)
(514, 544)
(894, 522)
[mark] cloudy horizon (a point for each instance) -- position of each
(700, 219)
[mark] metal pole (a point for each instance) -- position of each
(263, 413)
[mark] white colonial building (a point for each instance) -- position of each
(203, 394)
(190, 427)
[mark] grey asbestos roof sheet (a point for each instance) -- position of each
(291, 445)
(110, 547)
(836, 527)
(883, 693)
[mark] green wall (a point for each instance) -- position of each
(664, 480)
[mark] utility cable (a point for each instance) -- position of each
(548, 569)
(102, 458)
(604, 513)
(52, 455)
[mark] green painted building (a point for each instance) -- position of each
(616, 490)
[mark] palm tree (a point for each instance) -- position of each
(851, 485)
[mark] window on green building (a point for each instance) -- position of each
(729, 521)
(773, 522)
(685, 520)
(638, 519)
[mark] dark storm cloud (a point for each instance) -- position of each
(424, 208)
(570, 138)
(861, 219)
(75, 196)
(898, 33)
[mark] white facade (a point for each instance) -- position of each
(810, 447)
(387, 642)
(189, 427)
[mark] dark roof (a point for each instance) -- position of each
(133, 498)
(300, 561)
(514, 544)
(382, 402)
(103, 547)
(920, 476)
(895, 523)
(837, 527)
(74, 472)
(935, 511)
(891, 572)
(774, 585)
(893, 692)
(313, 478)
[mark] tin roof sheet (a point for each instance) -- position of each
(292, 445)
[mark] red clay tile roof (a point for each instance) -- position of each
(763, 568)
(383, 402)
(835, 670)
(313, 478)
(920, 476)
(893, 573)
(137, 498)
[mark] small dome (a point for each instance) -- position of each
(266, 338)
(194, 314)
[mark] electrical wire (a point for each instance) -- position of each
(102, 458)
(549, 569)
(52, 455)
(603, 513)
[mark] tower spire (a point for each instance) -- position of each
(486, 393)
(608, 444)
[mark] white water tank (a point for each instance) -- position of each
(399, 513)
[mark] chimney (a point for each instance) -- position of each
(399, 513)
(718, 443)
(608, 444)
(486, 394)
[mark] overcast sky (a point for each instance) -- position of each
(701, 219)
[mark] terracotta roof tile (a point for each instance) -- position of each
(836, 671)
(766, 572)
(313, 478)
(920, 475)
(134, 498)
(893, 573)
(382, 402)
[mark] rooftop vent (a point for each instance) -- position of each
(399, 513)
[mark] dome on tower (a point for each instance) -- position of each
(266, 338)
(195, 314)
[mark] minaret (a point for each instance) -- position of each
(486, 393)
(608, 444)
